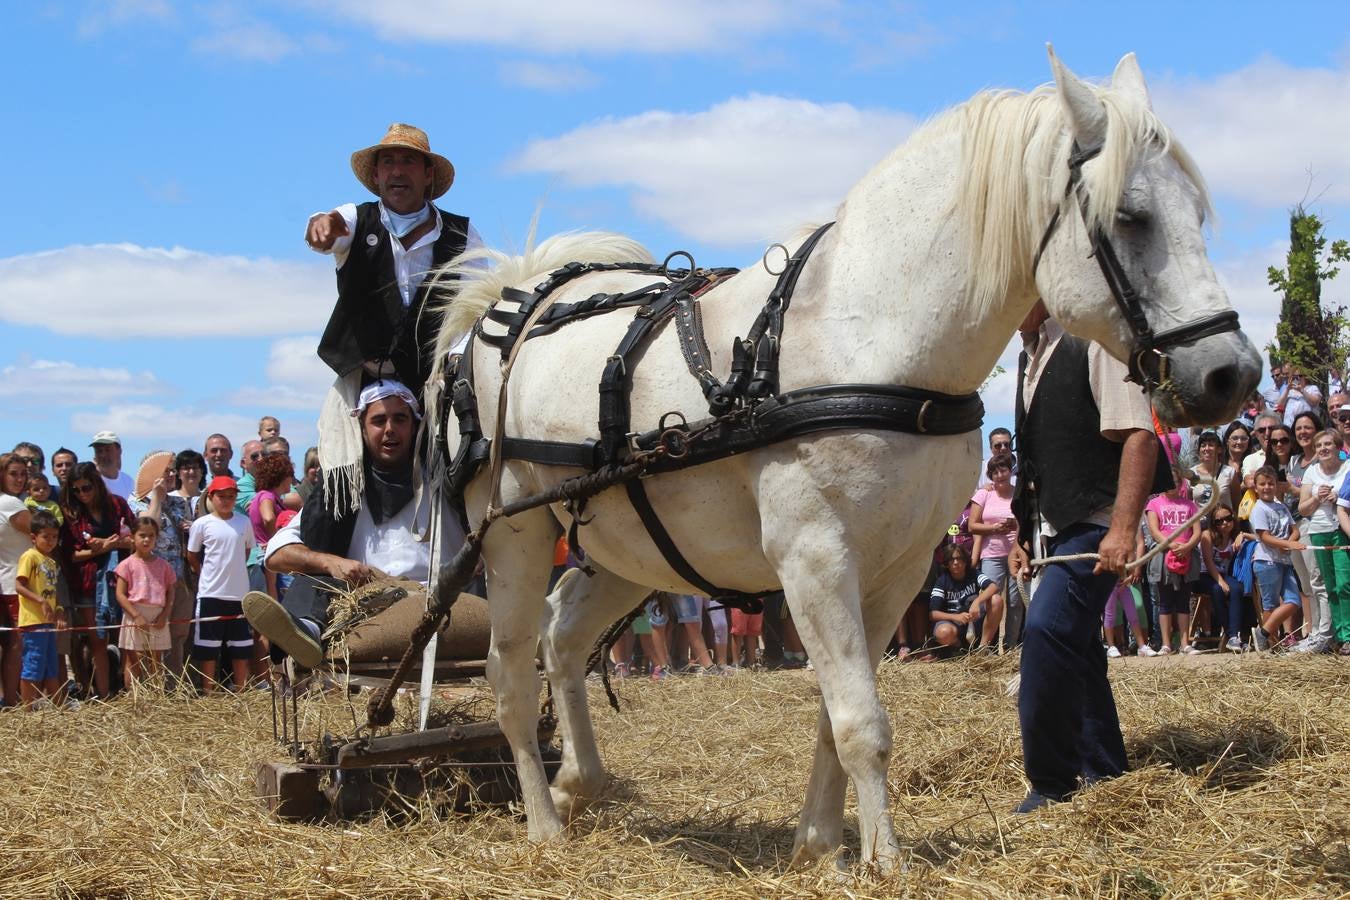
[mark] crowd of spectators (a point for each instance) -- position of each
(102, 573)
(107, 579)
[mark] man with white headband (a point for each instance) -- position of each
(336, 549)
(383, 252)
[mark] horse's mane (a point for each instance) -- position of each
(1014, 169)
(483, 272)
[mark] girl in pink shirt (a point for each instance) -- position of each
(1166, 513)
(144, 584)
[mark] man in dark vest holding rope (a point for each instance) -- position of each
(1088, 462)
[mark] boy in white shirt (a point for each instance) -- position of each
(218, 547)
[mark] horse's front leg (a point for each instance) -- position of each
(822, 591)
(519, 553)
(579, 610)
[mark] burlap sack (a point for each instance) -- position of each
(384, 636)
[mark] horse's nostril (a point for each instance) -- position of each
(1221, 381)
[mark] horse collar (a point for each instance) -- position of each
(1148, 363)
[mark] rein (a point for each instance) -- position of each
(1143, 560)
(1148, 363)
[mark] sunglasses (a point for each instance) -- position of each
(1280, 442)
(1223, 520)
(1264, 430)
(83, 488)
(26, 460)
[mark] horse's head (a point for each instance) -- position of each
(1123, 261)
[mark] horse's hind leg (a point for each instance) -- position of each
(579, 610)
(518, 552)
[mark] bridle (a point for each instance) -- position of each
(1148, 364)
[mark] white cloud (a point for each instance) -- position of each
(1267, 133)
(251, 41)
(748, 169)
(297, 378)
(104, 14)
(1244, 278)
(124, 290)
(44, 383)
(558, 78)
(149, 422)
(597, 26)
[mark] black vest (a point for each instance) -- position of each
(369, 323)
(1065, 468)
(324, 531)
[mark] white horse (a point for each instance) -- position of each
(921, 282)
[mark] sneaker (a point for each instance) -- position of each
(271, 620)
(1033, 801)
(72, 704)
(1113, 652)
(660, 673)
(1235, 645)
(1261, 638)
(1190, 650)
(622, 670)
(1147, 651)
(1287, 643)
(1165, 650)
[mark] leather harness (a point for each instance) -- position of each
(745, 413)
(1148, 364)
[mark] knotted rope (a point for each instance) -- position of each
(1141, 561)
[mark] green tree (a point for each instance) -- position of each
(1311, 336)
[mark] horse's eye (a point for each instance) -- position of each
(1131, 218)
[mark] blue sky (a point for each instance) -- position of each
(163, 157)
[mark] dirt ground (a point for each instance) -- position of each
(1241, 786)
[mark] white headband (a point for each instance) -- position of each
(379, 390)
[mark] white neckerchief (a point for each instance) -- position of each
(401, 225)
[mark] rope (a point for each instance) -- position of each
(78, 628)
(1143, 560)
(602, 647)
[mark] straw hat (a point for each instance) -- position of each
(412, 138)
(151, 468)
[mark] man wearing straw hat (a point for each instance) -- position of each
(384, 250)
(380, 327)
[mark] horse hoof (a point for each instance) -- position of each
(569, 805)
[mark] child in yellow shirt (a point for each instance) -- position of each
(39, 612)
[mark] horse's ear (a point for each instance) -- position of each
(1082, 109)
(1128, 79)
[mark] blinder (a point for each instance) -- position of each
(1148, 363)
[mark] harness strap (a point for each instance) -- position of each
(614, 381)
(637, 495)
(766, 335)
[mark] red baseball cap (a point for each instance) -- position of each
(222, 483)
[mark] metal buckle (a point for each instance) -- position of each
(923, 411)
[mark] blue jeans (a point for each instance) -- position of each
(1070, 730)
(1278, 583)
(1225, 608)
